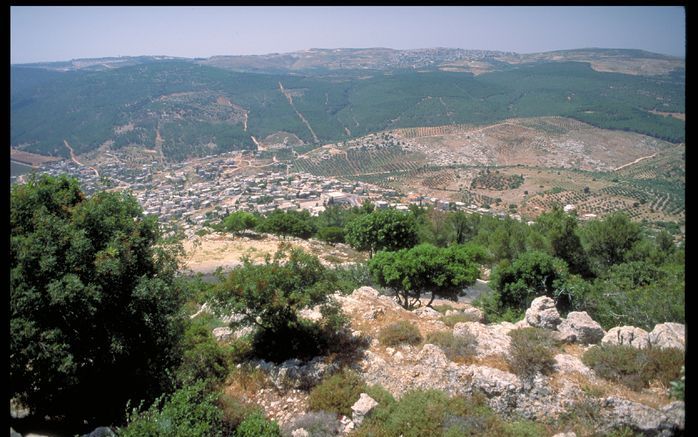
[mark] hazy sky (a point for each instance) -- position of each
(62, 33)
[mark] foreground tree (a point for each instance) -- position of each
(93, 302)
(240, 221)
(426, 268)
(269, 296)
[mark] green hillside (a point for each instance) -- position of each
(200, 110)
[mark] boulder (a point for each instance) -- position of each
(223, 333)
(584, 329)
(641, 418)
(14, 433)
(101, 431)
(362, 408)
(543, 314)
(491, 339)
(668, 335)
(427, 313)
(627, 335)
(300, 432)
(566, 363)
(476, 313)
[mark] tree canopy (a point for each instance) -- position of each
(426, 268)
(93, 301)
(387, 229)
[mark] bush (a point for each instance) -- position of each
(191, 412)
(532, 350)
(256, 425)
(633, 367)
(456, 347)
(433, 413)
(400, 332)
(233, 411)
(203, 358)
(317, 423)
(331, 234)
(451, 320)
(337, 393)
(678, 387)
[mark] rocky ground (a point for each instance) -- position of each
(540, 397)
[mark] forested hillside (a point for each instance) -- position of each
(184, 109)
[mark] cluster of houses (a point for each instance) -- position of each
(192, 194)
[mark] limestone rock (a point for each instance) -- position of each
(427, 313)
(566, 434)
(543, 314)
(495, 382)
(646, 420)
(14, 433)
(101, 431)
(300, 432)
(491, 339)
(362, 408)
(223, 333)
(583, 327)
(627, 335)
(566, 363)
(312, 314)
(668, 335)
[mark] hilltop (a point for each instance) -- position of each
(183, 108)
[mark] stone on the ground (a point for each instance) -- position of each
(362, 408)
(583, 328)
(543, 314)
(627, 335)
(668, 335)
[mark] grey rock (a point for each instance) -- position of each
(583, 327)
(14, 433)
(641, 418)
(101, 431)
(566, 434)
(565, 363)
(491, 339)
(300, 432)
(222, 333)
(668, 335)
(362, 408)
(627, 335)
(427, 313)
(543, 314)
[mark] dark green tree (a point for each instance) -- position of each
(560, 229)
(240, 221)
(607, 241)
(532, 274)
(269, 296)
(290, 223)
(385, 229)
(93, 302)
(426, 268)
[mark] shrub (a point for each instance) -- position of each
(678, 387)
(432, 413)
(532, 351)
(525, 428)
(398, 333)
(317, 423)
(633, 367)
(443, 308)
(456, 347)
(203, 358)
(451, 320)
(233, 411)
(191, 411)
(331, 234)
(337, 393)
(256, 425)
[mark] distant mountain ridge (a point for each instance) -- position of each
(181, 108)
(382, 59)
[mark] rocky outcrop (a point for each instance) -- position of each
(580, 328)
(566, 363)
(427, 313)
(472, 313)
(666, 422)
(668, 335)
(491, 339)
(627, 335)
(362, 408)
(295, 374)
(543, 314)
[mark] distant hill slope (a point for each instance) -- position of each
(185, 109)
